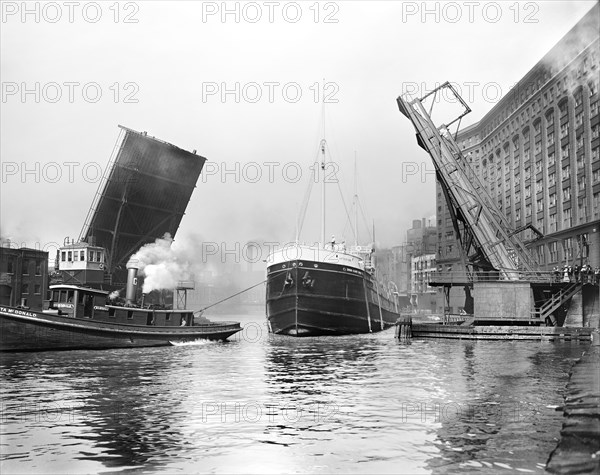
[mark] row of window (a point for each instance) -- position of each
(10, 267)
(539, 104)
(69, 256)
(537, 127)
(570, 248)
(37, 289)
(553, 223)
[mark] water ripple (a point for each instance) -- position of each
(348, 404)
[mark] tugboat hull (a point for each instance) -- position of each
(26, 330)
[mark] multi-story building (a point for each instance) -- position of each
(396, 264)
(23, 276)
(537, 153)
(422, 268)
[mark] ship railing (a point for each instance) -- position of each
(223, 326)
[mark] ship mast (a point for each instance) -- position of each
(355, 204)
(323, 192)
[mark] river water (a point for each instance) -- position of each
(264, 403)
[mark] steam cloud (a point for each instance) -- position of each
(162, 264)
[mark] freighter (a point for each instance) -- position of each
(327, 289)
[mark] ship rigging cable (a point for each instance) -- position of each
(227, 298)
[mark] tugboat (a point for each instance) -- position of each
(327, 289)
(80, 317)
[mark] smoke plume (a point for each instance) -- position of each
(162, 264)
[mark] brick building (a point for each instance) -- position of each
(23, 277)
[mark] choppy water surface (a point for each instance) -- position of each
(263, 403)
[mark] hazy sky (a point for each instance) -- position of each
(70, 74)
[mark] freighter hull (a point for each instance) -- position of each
(307, 298)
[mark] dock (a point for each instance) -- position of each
(500, 332)
(578, 450)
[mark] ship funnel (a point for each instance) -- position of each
(131, 284)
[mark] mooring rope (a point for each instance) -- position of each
(230, 297)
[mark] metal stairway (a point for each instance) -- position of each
(555, 302)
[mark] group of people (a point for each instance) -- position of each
(584, 274)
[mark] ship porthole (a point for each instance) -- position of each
(283, 266)
(316, 265)
(294, 264)
(300, 264)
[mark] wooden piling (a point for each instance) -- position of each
(404, 327)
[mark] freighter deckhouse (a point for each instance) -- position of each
(327, 289)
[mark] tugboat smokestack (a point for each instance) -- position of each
(131, 285)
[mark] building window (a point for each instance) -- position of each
(551, 159)
(553, 223)
(593, 87)
(582, 211)
(580, 184)
(538, 166)
(63, 256)
(564, 152)
(578, 99)
(538, 147)
(91, 256)
(37, 289)
(582, 239)
(553, 247)
(552, 199)
(9, 266)
(579, 142)
(579, 119)
(568, 248)
(596, 176)
(593, 109)
(69, 256)
(25, 267)
(564, 130)
(539, 186)
(596, 200)
(540, 205)
(38, 268)
(580, 162)
(551, 138)
(567, 219)
(551, 179)
(541, 254)
(566, 172)
(527, 210)
(567, 193)
(25, 289)
(595, 154)
(595, 131)
(527, 191)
